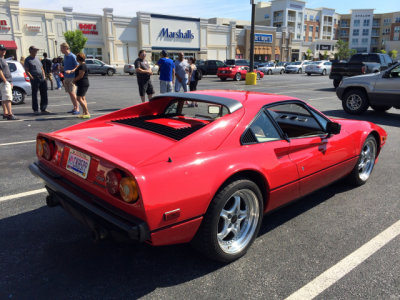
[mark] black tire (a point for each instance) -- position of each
(281, 72)
(258, 76)
(365, 164)
(300, 71)
(308, 74)
(131, 74)
(18, 96)
(336, 82)
(103, 74)
(381, 108)
(237, 77)
(355, 102)
(269, 72)
(215, 237)
(110, 72)
(222, 78)
(323, 72)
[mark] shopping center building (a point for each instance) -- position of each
(117, 40)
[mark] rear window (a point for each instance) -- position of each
(12, 67)
(230, 62)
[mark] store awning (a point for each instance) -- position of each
(263, 50)
(9, 45)
(238, 50)
(277, 50)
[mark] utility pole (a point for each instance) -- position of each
(251, 77)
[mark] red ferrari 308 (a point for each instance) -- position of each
(165, 172)
(236, 73)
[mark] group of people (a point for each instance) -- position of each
(73, 70)
(173, 75)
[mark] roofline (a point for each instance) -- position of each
(231, 104)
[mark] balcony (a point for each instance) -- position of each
(291, 19)
(328, 23)
(375, 33)
(291, 29)
(278, 19)
(344, 35)
(344, 25)
(327, 33)
(376, 24)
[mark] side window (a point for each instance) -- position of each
(296, 121)
(211, 63)
(263, 130)
(220, 64)
(89, 61)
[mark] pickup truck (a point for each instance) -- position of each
(379, 90)
(209, 67)
(359, 64)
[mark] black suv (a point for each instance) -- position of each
(209, 67)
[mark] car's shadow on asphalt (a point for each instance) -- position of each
(326, 89)
(380, 118)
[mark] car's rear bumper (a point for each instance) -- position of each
(89, 209)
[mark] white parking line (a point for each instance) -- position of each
(51, 117)
(15, 196)
(343, 267)
(50, 105)
(16, 143)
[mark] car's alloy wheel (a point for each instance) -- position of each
(269, 72)
(323, 72)
(365, 163)
(232, 221)
(355, 102)
(238, 77)
(18, 96)
(110, 72)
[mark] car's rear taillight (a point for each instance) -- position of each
(112, 181)
(45, 148)
(122, 186)
(363, 69)
(27, 79)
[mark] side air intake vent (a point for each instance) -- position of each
(248, 138)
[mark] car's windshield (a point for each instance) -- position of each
(195, 109)
(296, 63)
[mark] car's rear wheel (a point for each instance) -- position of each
(381, 108)
(355, 102)
(131, 74)
(365, 164)
(18, 96)
(223, 78)
(110, 72)
(323, 72)
(269, 72)
(308, 74)
(300, 71)
(238, 77)
(232, 221)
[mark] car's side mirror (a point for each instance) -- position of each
(333, 128)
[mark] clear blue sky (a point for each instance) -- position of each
(237, 9)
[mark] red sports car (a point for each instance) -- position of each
(236, 73)
(164, 172)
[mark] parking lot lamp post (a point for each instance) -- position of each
(251, 77)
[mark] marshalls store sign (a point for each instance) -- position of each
(165, 33)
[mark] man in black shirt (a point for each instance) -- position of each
(47, 69)
(143, 73)
(5, 86)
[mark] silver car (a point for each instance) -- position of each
(297, 67)
(321, 67)
(96, 66)
(379, 90)
(272, 68)
(130, 68)
(21, 82)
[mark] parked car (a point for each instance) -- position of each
(237, 62)
(209, 67)
(379, 90)
(361, 63)
(217, 168)
(322, 67)
(236, 73)
(21, 82)
(272, 68)
(96, 66)
(130, 68)
(297, 67)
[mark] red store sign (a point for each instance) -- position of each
(88, 29)
(3, 25)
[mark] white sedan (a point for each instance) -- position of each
(272, 68)
(322, 67)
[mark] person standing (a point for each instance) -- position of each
(181, 73)
(82, 82)
(192, 74)
(167, 72)
(5, 86)
(70, 64)
(56, 72)
(47, 69)
(34, 69)
(143, 74)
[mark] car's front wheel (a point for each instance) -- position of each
(18, 96)
(365, 164)
(110, 72)
(238, 77)
(323, 72)
(232, 221)
(336, 82)
(308, 74)
(355, 102)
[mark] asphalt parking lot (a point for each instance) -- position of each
(337, 243)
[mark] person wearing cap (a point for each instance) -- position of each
(167, 72)
(34, 69)
(5, 86)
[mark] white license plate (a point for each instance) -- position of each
(78, 163)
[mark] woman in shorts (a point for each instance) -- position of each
(82, 82)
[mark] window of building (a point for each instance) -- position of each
(305, 27)
(334, 21)
(354, 41)
(397, 20)
(365, 32)
(366, 22)
(364, 41)
(396, 38)
(387, 21)
(356, 32)
(311, 18)
(356, 23)
(298, 36)
(397, 29)
(317, 28)
(305, 17)
(317, 18)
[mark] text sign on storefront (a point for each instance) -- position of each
(262, 38)
(88, 29)
(165, 33)
(3, 25)
(33, 27)
(325, 47)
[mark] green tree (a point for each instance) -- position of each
(393, 53)
(325, 55)
(308, 54)
(75, 40)
(383, 51)
(343, 51)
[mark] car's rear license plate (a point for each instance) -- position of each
(78, 163)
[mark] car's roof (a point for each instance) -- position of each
(231, 98)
